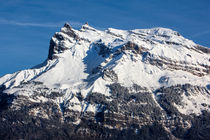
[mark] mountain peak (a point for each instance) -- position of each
(57, 41)
(67, 25)
(86, 27)
(113, 80)
(86, 23)
(159, 47)
(163, 49)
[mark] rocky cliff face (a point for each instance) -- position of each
(112, 84)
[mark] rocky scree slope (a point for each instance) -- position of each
(128, 84)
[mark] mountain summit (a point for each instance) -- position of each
(136, 84)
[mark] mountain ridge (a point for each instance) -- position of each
(67, 32)
(121, 81)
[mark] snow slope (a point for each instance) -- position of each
(74, 64)
(78, 61)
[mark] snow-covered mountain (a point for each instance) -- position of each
(102, 84)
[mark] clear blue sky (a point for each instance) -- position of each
(26, 26)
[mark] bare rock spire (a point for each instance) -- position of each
(67, 25)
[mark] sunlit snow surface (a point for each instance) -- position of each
(71, 70)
